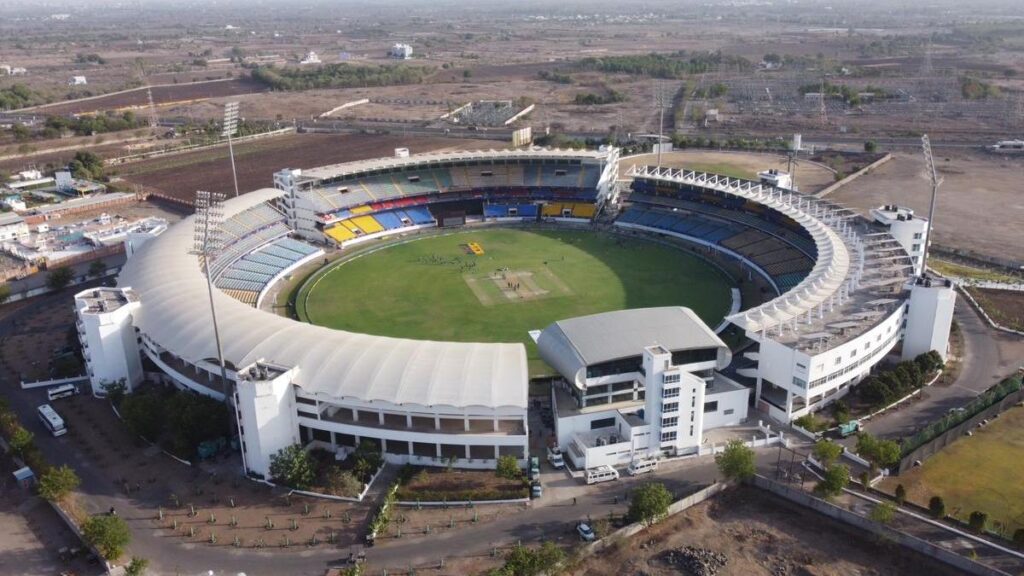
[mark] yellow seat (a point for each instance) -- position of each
(583, 210)
(361, 210)
(340, 233)
(367, 224)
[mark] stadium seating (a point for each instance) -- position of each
(786, 265)
(247, 276)
(367, 224)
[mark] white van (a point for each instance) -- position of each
(62, 391)
(601, 474)
(637, 467)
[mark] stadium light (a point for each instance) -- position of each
(230, 128)
(926, 148)
(207, 242)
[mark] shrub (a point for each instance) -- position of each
(649, 503)
(293, 467)
(1018, 537)
(137, 567)
(937, 507)
(143, 414)
(109, 534)
(883, 453)
(978, 520)
(341, 482)
(508, 467)
(367, 459)
(736, 462)
(59, 278)
(901, 494)
(834, 481)
(21, 441)
(523, 561)
(883, 513)
(827, 452)
(57, 482)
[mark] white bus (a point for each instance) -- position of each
(601, 474)
(62, 391)
(53, 422)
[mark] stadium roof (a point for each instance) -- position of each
(175, 314)
(573, 344)
(425, 161)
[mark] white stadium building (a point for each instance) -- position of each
(846, 294)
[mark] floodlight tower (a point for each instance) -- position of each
(207, 244)
(929, 160)
(659, 101)
(230, 128)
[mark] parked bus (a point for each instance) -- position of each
(62, 391)
(53, 422)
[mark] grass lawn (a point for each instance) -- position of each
(947, 268)
(429, 288)
(723, 168)
(1005, 307)
(982, 472)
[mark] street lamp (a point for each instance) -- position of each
(230, 128)
(936, 181)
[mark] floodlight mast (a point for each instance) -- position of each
(926, 148)
(209, 217)
(230, 128)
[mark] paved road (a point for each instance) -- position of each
(988, 356)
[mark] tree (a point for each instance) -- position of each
(883, 513)
(827, 452)
(143, 415)
(97, 268)
(836, 477)
(367, 460)
(109, 534)
(20, 132)
(21, 441)
(1018, 537)
(137, 567)
(57, 482)
(292, 466)
(508, 467)
(649, 503)
(87, 165)
(901, 494)
(978, 520)
(5, 292)
(937, 507)
(523, 561)
(736, 462)
(870, 146)
(59, 278)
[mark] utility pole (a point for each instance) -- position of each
(929, 160)
(230, 128)
(659, 101)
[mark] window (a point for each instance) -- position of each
(838, 360)
(487, 173)
(915, 248)
(670, 407)
(918, 235)
(668, 436)
(728, 411)
(670, 393)
(691, 430)
(602, 423)
(711, 406)
(693, 402)
(799, 382)
(670, 422)
(670, 378)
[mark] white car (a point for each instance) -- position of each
(555, 457)
(586, 532)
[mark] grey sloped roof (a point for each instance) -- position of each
(175, 314)
(572, 344)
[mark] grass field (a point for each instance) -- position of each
(430, 289)
(982, 472)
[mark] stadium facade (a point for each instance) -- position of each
(846, 294)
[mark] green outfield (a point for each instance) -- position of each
(437, 288)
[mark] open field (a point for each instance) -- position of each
(162, 95)
(947, 268)
(406, 290)
(810, 176)
(1005, 307)
(980, 205)
(981, 472)
(758, 533)
(180, 176)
